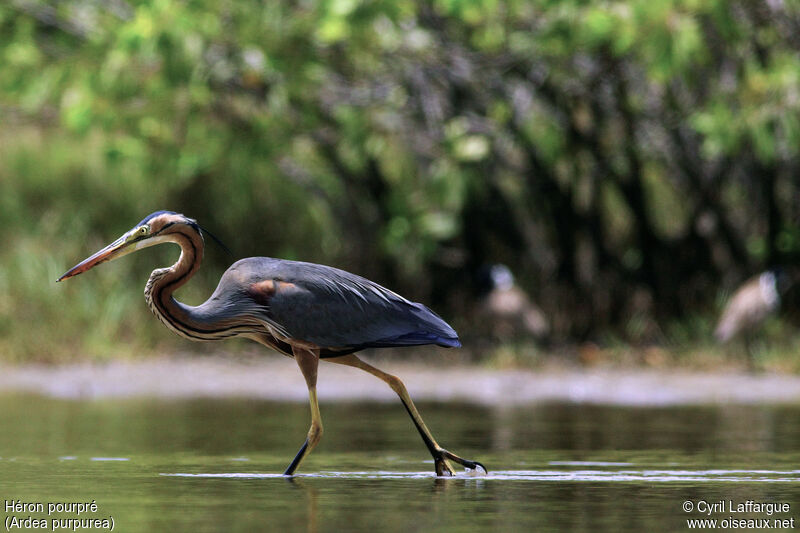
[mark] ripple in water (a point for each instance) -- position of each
(595, 476)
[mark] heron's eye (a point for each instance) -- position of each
(139, 232)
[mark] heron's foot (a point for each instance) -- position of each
(443, 467)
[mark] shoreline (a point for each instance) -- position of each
(278, 379)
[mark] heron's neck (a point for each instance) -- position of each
(163, 282)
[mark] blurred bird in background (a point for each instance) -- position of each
(508, 310)
(750, 306)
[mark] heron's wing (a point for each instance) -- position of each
(333, 308)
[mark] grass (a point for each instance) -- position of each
(776, 349)
(61, 200)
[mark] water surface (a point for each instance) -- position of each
(214, 465)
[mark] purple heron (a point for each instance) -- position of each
(303, 310)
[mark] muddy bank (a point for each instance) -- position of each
(277, 378)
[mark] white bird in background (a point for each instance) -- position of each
(509, 309)
(748, 308)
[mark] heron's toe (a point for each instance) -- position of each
(466, 463)
(442, 468)
(475, 465)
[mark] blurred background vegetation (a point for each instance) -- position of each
(631, 162)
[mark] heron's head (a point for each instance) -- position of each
(153, 229)
(502, 278)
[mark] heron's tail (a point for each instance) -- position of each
(426, 327)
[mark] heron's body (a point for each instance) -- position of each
(304, 310)
(508, 309)
(279, 301)
(749, 307)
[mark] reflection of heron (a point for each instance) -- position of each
(749, 307)
(306, 311)
(508, 308)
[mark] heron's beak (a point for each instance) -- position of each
(114, 250)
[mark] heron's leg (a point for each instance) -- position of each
(440, 455)
(308, 360)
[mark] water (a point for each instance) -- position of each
(214, 465)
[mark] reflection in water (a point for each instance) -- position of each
(310, 495)
(688, 428)
(238, 428)
(502, 417)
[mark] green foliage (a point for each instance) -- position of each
(583, 143)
